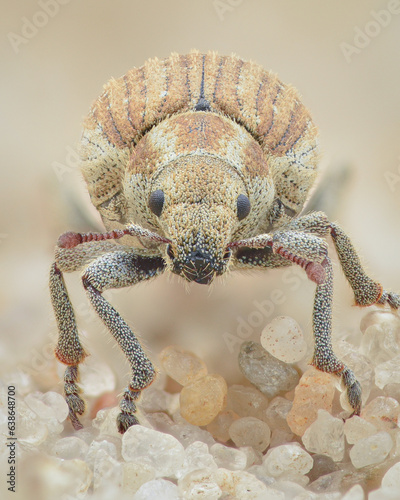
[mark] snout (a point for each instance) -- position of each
(199, 266)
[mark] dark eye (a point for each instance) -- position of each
(243, 206)
(156, 202)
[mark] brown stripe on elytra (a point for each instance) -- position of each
(143, 94)
(221, 65)
(102, 116)
(164, 100)
(118, 110)
(117, 137)
(136, 86)
(248, 88)
(128, 100)
(227, 100)
(284, 102)
(264, 111)
(237, 84)
(194, 74)
(177, 98)
(297, 126)
(280, 146)
(186, 66)
(211, 68)
(267, 139)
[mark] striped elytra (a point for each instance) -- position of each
(242, 92)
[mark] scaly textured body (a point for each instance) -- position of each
(198, 164)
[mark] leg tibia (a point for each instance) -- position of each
(143, 370)
(324, 358)
(69, 349)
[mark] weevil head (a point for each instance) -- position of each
(199, 202)
(197, 178)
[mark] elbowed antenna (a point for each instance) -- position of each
(71, 239)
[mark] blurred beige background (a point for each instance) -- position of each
(54, 65)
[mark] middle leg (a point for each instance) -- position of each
(324, 358)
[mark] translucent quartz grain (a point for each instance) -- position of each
(325, 435)
(279, 437)
(95, 448)
(154, 399)
(290, 488)
(203, 399)
(246, 401)
(181, 365)
(381, 340)
(162, 451)
(158, 489)
(287, 458)
(187, 434)
(228, 458)
(388, 372)
(379, 317)
(383, 412)
(48, 405)
(315, 391)
(354, 493)
(250, 431)
(96, 378)
(270, 375)
(322, 465)
(371, 450)
(219, 427)
(80, 476)
(384, 493)
(241, 485)
(199, 484)
(392, 477)
(107, 470)
(361, 366)
(70, 447)
(196, 457)
(31, 430)
(283, 338)
(277, 412)
(105, 421)
(356, 428)
(134, 475)
(254, 457)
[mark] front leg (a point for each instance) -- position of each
(310, 251)
(324, 358)
(118, 270)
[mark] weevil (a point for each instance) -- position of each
(199, 164)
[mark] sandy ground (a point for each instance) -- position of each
(344, 59)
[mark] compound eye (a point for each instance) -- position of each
(156, 202)
(243, 206)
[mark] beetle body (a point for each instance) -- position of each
(198, 164)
